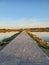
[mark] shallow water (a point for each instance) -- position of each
(42, 35)
(6, 35)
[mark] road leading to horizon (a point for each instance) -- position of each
(23, 50)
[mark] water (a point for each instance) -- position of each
(6, 35)
(42, 35)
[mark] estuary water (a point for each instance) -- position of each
(42, 35)
(6, 35)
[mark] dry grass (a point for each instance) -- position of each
(41, 43)
(7, 40)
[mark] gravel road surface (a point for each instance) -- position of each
(23, 50)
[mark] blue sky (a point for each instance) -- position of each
(24, 13)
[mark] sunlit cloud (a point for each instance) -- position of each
(26, 23)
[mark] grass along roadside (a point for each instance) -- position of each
(7, 40)
(40, 42)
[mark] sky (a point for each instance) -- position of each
(24, 13)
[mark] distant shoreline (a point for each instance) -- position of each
(8, 30)
(38, 29)
(27, 29)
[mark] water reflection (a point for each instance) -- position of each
(6, 35)
(42, 35)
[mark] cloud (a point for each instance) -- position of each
(24, 22)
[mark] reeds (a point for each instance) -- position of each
(7, 40)
(40, 42)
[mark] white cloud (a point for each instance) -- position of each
(33, 22)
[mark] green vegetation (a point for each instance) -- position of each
(41, 43)
(7, 40)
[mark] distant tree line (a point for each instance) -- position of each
(27, 29)
(38, 29)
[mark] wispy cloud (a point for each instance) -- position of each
(24, 22)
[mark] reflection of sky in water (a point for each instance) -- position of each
(6, 35)
(43, 35)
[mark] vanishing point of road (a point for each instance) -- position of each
(23, 50)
